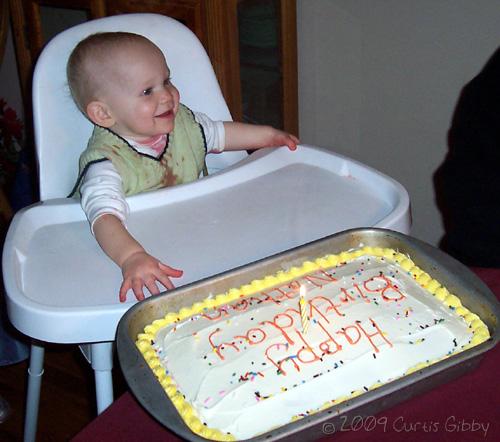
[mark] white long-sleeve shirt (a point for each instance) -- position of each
(102, 191)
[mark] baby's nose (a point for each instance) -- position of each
(166, 95)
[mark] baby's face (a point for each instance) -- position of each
(139, 93)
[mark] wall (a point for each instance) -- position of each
(379, 80)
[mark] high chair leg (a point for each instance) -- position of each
(35, 372)
(102, 363)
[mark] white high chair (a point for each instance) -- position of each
(61, 287)
(61, 132)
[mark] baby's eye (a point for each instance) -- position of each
(147, 91)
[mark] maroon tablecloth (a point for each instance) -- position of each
(466, 409)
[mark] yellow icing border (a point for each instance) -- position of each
(144, 340)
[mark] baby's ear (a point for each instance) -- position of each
(99, 114)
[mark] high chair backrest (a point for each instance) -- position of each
(62, 132)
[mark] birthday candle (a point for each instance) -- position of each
(303, 309)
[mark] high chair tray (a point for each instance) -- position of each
(473, 293)
(62, 288)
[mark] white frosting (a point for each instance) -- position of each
(246, 367)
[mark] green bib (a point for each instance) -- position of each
(181, 162)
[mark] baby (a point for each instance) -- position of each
(143, 139)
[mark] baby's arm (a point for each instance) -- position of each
(139, 269)
(104, 204)
(241, 136)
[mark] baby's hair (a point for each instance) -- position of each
(82, 69)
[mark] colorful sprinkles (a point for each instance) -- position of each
(145, 341)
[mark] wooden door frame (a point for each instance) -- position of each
(24, 15)
(289, 65)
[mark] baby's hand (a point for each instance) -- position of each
(141, 269)
(280, 138)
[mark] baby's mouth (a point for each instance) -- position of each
(167, 114)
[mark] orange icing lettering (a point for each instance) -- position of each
(321, 276)
(378, 332)
(389, 287)
(356, 286)
(241, 305)
(279, 364)
(252, 336)
(331, 306)
(351, 339)
(218, 348)
(289, 323)
(217, 314)
(287, 291)
(305, 351)
(325, 345)
(313, 308)
(262, 297)
(347, 296)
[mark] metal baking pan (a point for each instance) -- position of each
(461, 281)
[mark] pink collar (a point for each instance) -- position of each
(156, 143)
